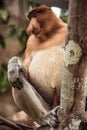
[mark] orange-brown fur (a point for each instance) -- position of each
(43, 57)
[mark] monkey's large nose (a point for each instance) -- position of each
(29, 29)
(33, 25)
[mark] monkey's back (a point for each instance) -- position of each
(45, 71)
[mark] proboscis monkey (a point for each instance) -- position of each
(36, 82)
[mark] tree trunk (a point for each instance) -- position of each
(74, 75)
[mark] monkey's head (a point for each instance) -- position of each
(43, 22)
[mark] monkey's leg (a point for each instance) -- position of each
(26, 97)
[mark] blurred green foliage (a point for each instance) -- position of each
(3, 77)
(4, 16)
(64, 15)
(21, 35)
(65, 18)
(2, 41)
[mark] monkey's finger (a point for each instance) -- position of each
(53, 123)
(53, 112)
(20, 83)
(12, 84)
(56, 109)
(16, 84)
(24, 72)
(54, 115)
(12, 73)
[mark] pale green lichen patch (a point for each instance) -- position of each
(74, 124)
(67, 89)
(72, 54)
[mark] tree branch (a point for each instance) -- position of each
(14, 125)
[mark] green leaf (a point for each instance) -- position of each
(4, 15)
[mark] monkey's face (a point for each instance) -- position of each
(33, 27)
(38, 18)
(43, 23)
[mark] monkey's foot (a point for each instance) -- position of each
(15, 70)
(51, 118)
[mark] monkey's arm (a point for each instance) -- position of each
(26, 97)
(27, 58)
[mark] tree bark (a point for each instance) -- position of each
(74, 75)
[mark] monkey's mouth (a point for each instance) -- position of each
(36, 31)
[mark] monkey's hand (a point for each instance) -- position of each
(15, 70)
(51, 118)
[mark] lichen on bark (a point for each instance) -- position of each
(72, 54)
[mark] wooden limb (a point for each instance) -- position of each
(9, 123)
(14, 125)
(20, 126)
